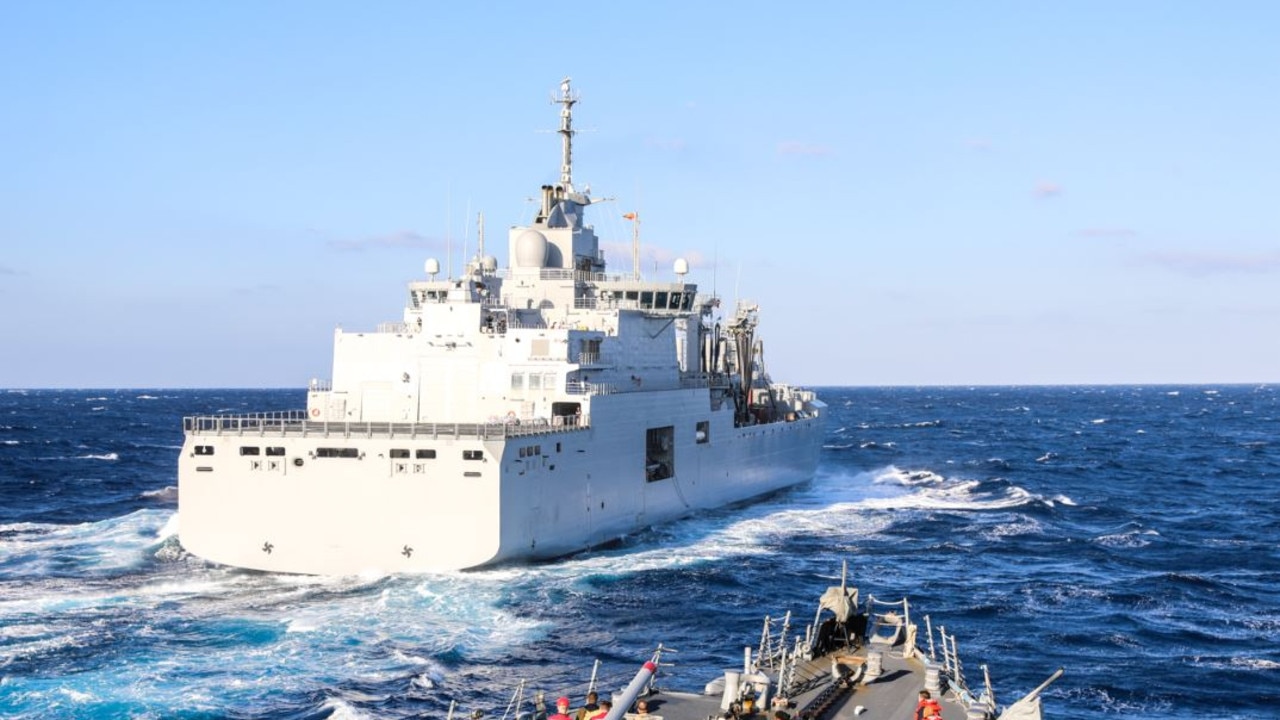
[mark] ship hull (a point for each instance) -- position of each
(336, 499)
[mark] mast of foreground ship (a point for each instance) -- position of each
(567, 99)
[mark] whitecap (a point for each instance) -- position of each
(105, 456)
(170, 528)
(76, 695)
(169, 492)
(341, 710)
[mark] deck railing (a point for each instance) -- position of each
(295, 423)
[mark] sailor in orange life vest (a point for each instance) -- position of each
(562, 710)
(927, 707)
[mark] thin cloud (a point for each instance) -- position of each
(1203, 264)
(795, 147)
(402, 240)
(11, 272)
(1107, 232)
(1046, 189)
(978, 144)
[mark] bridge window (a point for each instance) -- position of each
(275, 452)
(337, 452)
(425, 454)
(472, 454)
(204, 449)
(399, 453)
(250, 450)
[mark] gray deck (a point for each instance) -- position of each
(891, 696)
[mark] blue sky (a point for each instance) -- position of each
(196, 194)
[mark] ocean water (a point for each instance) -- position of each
(1127, 534)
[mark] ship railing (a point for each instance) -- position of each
(569, 274)
(239, 424)
(295, 423)
(577, 387)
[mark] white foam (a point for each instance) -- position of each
(1130, 539)
(340, 710)
(169, 492)
(170, 528)
(76, 695)
(105, 456)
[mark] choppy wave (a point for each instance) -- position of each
(1042, 535)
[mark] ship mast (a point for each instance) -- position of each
(566, 100)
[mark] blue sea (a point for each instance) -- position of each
(1127, 534)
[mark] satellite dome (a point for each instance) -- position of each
(432, 266)
(682, 267)
(531, 249)
(489, 263)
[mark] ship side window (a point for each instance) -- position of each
(633, 295)
(425, 454)
(659, 453)
(399, 453)
(517, 382)
(646, 299)
(660, 301)
(676, 301)
(535, 381)
(703, 433)
(275, 451)
(250, 450)
(472, 454)
(337, 452)
(204, 449)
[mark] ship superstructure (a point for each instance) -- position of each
(518, 413)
